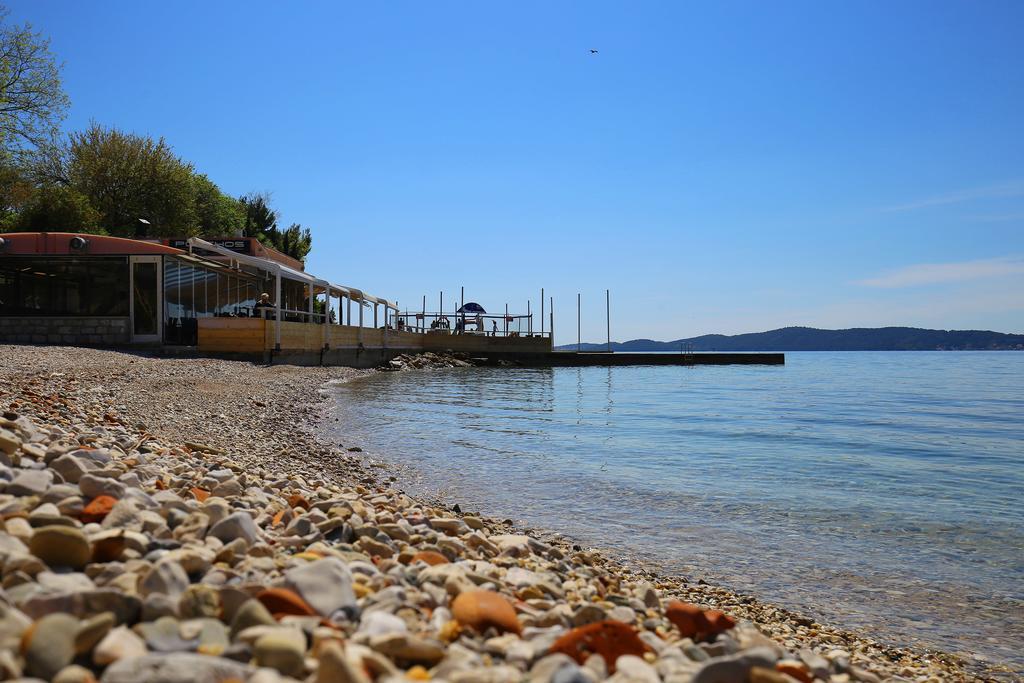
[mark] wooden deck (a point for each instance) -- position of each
(254, 336)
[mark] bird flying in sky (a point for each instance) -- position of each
(593, 51)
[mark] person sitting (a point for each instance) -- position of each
(263, 307)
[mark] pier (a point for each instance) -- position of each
(585, 359)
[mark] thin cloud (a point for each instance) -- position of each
(938, 273)
(1013, 188)
(997, 218)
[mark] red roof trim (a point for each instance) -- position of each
(59, 244)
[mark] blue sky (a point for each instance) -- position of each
(721, 167)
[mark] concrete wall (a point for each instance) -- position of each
(65, 330)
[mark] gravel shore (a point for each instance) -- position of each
(173, 519)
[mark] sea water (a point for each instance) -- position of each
(870, 490)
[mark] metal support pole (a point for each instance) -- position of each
(529, 319)
(375, 305)
(360, 340)
(608, 316)
(327, 315)
(506, 320)
(552, 326)
(542, 311)
(348, 306)
(423, 320)
(277, 304)
(579, 338)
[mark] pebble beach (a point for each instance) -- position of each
(182, 519)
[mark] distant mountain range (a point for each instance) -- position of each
(813, 339)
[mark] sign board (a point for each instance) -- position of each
(238, 245)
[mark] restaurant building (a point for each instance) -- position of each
(201, 296)
(91, 289)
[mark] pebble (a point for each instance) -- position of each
(609, 639)
(179, 667)
(480, 610)
(119, 643)
(251, 613)
(94, 487)
(636, 669)
(282, 649)
(49, 645)
(61, 546)
(736, 667)
(236, 525)
(335, 667)
(326, 586)
(74, 674)
(92, 631)
(29, 483)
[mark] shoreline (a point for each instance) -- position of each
(273, 418)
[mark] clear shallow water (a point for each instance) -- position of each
(874, 490)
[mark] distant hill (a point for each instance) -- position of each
(813, 339)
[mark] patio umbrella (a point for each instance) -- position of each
(472, 307)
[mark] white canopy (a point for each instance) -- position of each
(290, 273)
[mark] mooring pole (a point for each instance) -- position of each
(529, 319)
(579, 337)
(542, 311)
(608, 316)
(552, 314)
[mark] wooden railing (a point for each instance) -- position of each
(253, 335)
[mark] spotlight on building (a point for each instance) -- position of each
(79, 243)
(3, 245)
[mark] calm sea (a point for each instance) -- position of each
(876, 490)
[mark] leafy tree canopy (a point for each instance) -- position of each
(129, 177)
(32, 102)
(59, 205)
(261, 222)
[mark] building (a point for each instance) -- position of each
(92, 289)
(67, 288)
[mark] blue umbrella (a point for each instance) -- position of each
(472, 307)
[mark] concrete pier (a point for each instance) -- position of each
(583, 359)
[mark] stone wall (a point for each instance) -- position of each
(65, 330)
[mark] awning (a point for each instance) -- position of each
(272, 266)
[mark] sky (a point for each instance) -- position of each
(721, 167)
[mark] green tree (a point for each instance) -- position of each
(217, 213)
(129, 177)
(259, 217)
(261, 222)
(16, 190)
(32, 102)
(58, 208)
(295, 241)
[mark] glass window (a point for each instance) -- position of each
(64, 286)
